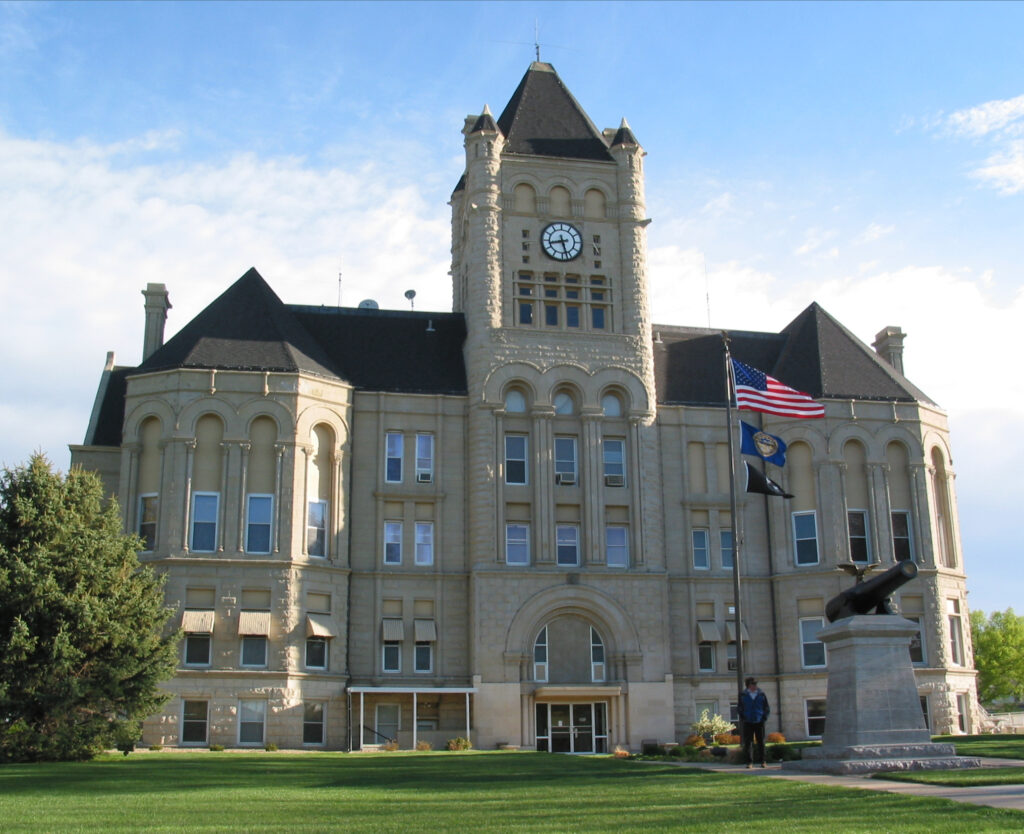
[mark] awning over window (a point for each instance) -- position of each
(707, 632)
(425, 630)
(319, 625)
(730, 630)
(197, 622)
(392, 629)
(254, 623)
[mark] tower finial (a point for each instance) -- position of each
(536, 38)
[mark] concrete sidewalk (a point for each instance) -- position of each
(994, 796)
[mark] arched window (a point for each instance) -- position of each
(611, 404)
(207, 473)
(597, 663)
(149, 481)
(540, 656)
(515, 401)
(560, 202)
(943, 511)
(319, 490)
(525, 198)
(564, 403)
(804, 505)
(858, 518)
(899, 501)
(260, 486)
(594, 204)
(569, 650)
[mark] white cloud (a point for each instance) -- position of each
(874, 232)
(813, 239)
(986, 118)
(1004, 170)
(88, 226)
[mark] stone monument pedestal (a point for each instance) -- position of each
(873, 716)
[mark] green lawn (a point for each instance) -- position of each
(961, 778)
(465, 792)
(998, 746)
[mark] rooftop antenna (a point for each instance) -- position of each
(339, 287)
(411, 294)
(536, 38)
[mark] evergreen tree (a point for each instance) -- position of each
(998, 656)
(82, 648)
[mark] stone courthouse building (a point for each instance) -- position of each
(511, 521)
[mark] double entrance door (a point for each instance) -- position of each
(572, 728)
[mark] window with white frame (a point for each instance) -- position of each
(860, 543)
(701, 560)
(515, 459)
(730, 656)
(391, 660)
(259, 518)
(614, 455)
(316, 529)
(252, 720)
(962, 720)
(392, 542)
(956, 633)
(597, 664)
(517, 543)
(540, 656)
(565, 461)
(902, 543)
(423, 656)
(805, 537)
(197, 649)
(393, 442)
(204, 521)
(725, 545)
(567, 542)
(254, 650)
(424, 458)
(424, 542)
(616, 546)
(814, 717)
(195, 721)
(316, 652)
(812, 650)
(313, 722)
(148, 507)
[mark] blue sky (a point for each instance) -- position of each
(869, 156)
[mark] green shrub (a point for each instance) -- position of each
(156, 747)
(216, 748)
(459, 743)
(270, 747)
(783, 752)
(676, 751)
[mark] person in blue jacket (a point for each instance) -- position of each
(754, 711)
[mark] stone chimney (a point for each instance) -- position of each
(889, 345)
(157, 305)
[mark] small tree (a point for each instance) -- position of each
(711, 725)
(998, 655)
(81, 644)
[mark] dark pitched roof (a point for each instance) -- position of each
(247, 328)
(624, 136)
(542, 118)
(110, 418)
(814, 353)
(485, 122)
(390, 350)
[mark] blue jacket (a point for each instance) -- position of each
(754, 707)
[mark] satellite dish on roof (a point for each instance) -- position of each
(368, 304)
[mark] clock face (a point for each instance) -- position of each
(561, 241)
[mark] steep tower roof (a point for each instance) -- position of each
(544, 119)
(485, 122)
(624, 136)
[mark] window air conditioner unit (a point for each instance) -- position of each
(614, 480)
(424, 477)
(565, 478)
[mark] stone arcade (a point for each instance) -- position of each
(512, 520)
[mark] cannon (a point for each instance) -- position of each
(872, 594)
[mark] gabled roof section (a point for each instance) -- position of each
(247, 328)
(826, 360)
(544, 119)
(814, 353)
(485, 122)
(624, 135)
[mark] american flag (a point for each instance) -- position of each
(756, 391)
